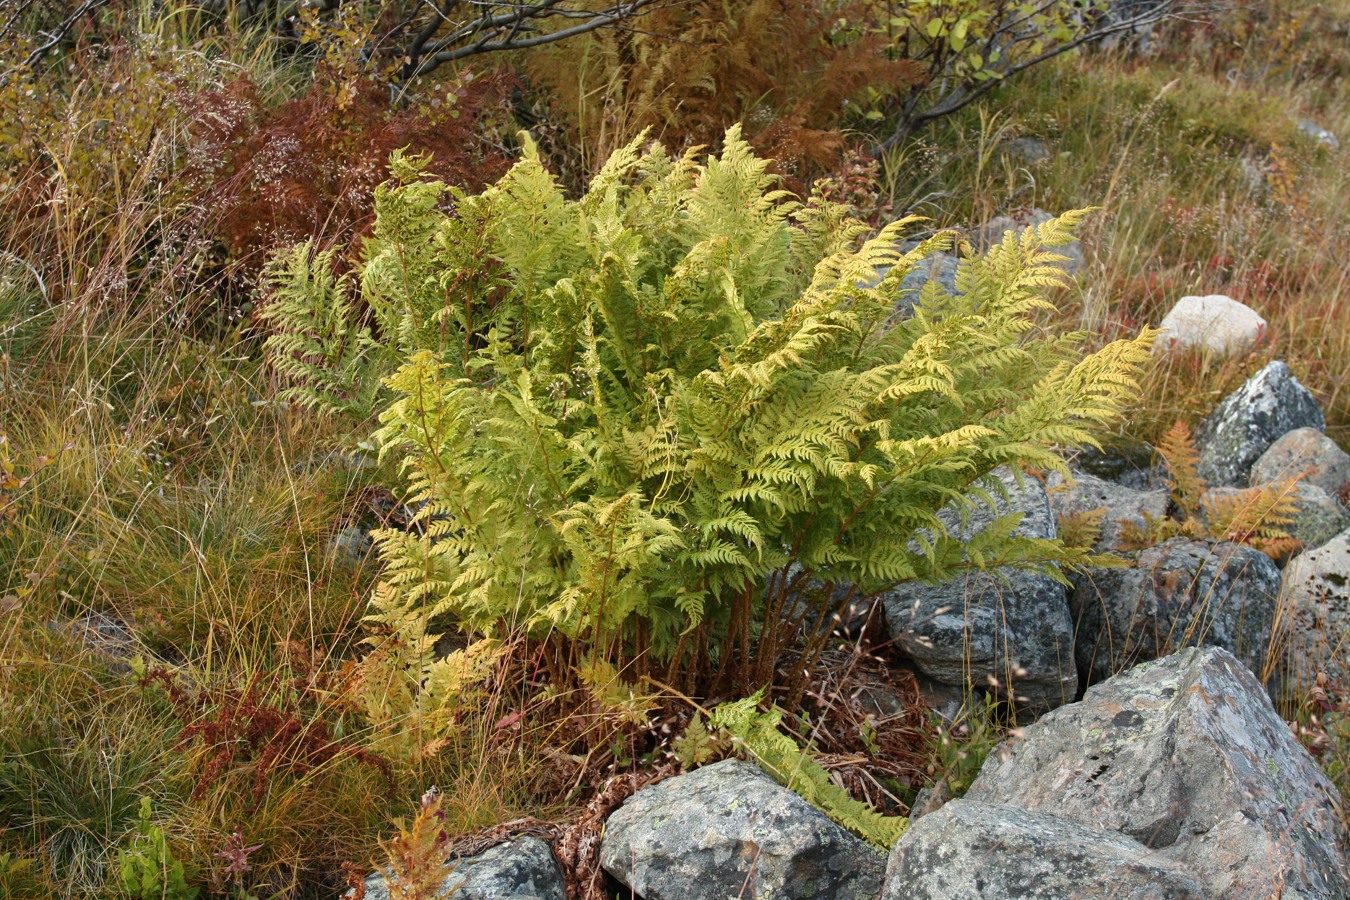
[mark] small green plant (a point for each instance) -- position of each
(962, 744)
(147, 869)
(758, 734)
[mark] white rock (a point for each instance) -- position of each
(1317, 622)
(1214, 322)
(1319, 134)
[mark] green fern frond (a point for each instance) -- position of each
(758, 734)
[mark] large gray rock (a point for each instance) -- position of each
(1270, 405)
(1306, 452)
(522, 869)
(1120, 506)
(1213, 322)
(1181, 593)
(1320, 135)
(997, 852)
(1007, 626)
(992, 232)
(1187, 756)
(1028, 151)
(1316, 627)
(728, 830)
(1123, 461)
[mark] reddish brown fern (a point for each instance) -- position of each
(307, 169)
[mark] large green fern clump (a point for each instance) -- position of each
(661, 422)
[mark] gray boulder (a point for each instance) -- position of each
(992, 232)
(1005, 626)
(1213, 322)
(1316, 626)
(1121, 506)
(728, 830)
(1187, 756)
(1181, 593)
(997, 852)
(1028, 151)
(1306, 452)
(940, 267)
(1270, 405)
(1123, 461)
(522, 869)
(351, 545)
(937, 266)
(1320, 135)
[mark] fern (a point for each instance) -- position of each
(1178, 450)
(419, 865)
(317, 342)
(659, 422)
(758, 733)
(1260, 517)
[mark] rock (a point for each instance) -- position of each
(522, 869)
(1028, 151)
(1319, 134)
(1007, 627)
(1270, 405)
(1317, 599)
(1187, 756)
(1318, 519)
(929, 799)
(997, 852)
(1121, 506)
(937, 266)
(1124, 461)
(1307, 452)
(992, 232)
(1254, 176)
(1213, 322)
(728, 830)
(1181, 593)
(351, 545)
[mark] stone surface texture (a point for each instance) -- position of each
(1213, 322)
(1010, 626)
(1126, 462)
(522, 869)
(999, 852)
(1270, 405)
(1029, 151)
(1121, 506)
(728, 830)
(1181, 593)
(1187, 756)
(1319, 134)
(1317, 595)
(1307, 452)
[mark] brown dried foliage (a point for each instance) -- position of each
(307, 169)
(869, 725)
(283, 729)
(695, 68)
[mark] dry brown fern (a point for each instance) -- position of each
(1178, 450)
